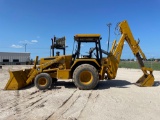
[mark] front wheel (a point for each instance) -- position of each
(85, 77)
(43, 81)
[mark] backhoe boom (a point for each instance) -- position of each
(126, 35)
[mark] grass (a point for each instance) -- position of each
(134, 64)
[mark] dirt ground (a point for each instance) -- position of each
(117, 99)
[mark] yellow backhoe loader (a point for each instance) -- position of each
(85, 70)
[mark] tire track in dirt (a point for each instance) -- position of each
(51, 107)
(11, 102)
(73, 96)
(22, 104)
(73, 107)
(85, 105)
(28, 106)
(17, 100)
(90, 104)
(46, 104)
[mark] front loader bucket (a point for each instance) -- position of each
(17, 79)
(145, 80)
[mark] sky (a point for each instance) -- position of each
(29, 25)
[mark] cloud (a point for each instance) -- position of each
(28, 42)
(25, 42)
(34, 41)
(16, 46)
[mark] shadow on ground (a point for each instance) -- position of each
(106, 84)
(66, 84)
(113, 83)
(101, 85)
(28, 87)
(156, 83)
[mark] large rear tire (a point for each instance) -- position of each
(85, 77)
(43, 81)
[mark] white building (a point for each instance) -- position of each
(12, 58)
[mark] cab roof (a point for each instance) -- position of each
(87, 37)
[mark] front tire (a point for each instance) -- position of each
(43, 81)
(85, 77)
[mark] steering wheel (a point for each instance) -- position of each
(91, 51)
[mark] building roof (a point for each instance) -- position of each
(15, 52)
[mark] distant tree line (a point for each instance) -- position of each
(150, 59)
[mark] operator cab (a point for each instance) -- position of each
(92, 48)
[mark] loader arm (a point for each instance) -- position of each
(20, 79)
(115, 54)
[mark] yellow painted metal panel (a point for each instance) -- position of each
(63, 74)
(87, 35)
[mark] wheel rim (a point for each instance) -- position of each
(42, 81)
(86, 77)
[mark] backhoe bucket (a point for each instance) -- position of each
(17, 79)
(145, 81)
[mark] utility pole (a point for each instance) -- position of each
(109, 25)
(25, 46)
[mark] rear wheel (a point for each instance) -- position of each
(43, 81)
(85, 77)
